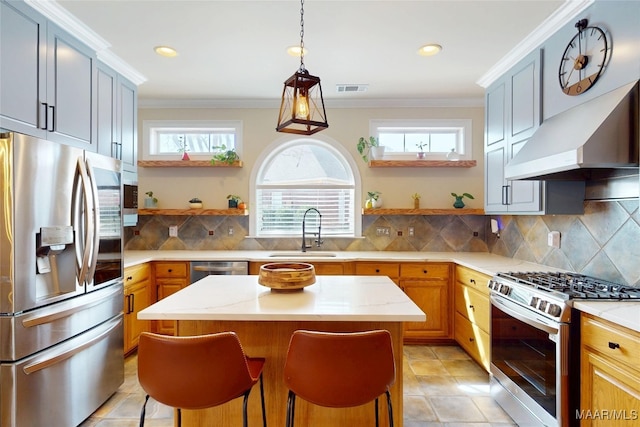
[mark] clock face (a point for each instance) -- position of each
(583, 61)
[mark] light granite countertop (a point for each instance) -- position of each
(330, 298)
(624, 313)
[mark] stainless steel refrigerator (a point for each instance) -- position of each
(61, 288)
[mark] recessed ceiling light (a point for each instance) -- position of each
(429, 49)
(295, 51)
(167, 51)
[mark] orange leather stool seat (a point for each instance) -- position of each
(339, 370)
(197, 372)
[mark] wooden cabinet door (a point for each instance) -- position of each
(607, 386)
(166, 287)
(432, 296)
(137, 298)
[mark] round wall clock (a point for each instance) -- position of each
(583, 60)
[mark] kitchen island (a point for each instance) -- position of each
(264, 321)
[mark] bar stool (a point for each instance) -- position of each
(339, 370)
(197, 372)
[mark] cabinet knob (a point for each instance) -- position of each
(129, 278)
(377, 270)
(472, 339)
(613, 345)
(170, 270)
(471, 307)
(472, 281)
(425, 271)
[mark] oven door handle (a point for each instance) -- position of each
(518, 313)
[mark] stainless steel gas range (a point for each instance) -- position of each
(535, 363)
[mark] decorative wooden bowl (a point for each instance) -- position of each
(287, 276)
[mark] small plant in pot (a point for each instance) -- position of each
(374, 200)
(370, 146)
(195, 203)
(150, 202)
(421, 146)
(233, 201)
(228, 156)
(416, 200)
(459, 204)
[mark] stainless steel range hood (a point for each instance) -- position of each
(596, 142)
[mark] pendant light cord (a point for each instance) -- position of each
(302, 68)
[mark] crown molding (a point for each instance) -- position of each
(569, 10)
(62, 18)
(329, 103)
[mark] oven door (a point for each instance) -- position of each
(529, 364)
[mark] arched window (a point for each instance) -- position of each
(296, 174)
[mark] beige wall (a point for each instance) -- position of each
(175, 186)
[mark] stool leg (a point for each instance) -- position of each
(390, 408)
(244, 408)
(291, 404)
(179, 418)
(142, 413)
(264, 413)
(376, 406)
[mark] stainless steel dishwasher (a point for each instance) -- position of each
(202, 269)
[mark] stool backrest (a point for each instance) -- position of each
(193, 372)
(340, 369)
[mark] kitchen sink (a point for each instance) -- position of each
(310, 254)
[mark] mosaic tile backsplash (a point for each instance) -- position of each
(604, 242)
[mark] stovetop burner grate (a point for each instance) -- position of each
(577, 286)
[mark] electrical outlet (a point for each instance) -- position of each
(383, 231)
(553, 239)
(411, 231)
(230, 231)
(173, 231)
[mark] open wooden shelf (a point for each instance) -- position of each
(422, 164)
(384, 211)
(187, 164)
(185, 212)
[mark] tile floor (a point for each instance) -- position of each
(443, 387)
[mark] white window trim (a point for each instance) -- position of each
(149, 125)
(465, 151)
(287, 140)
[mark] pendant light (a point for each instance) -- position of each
(302, 107)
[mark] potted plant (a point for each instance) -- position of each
(225, 155)
(459, 204)
(233, 201)
(150, 202)
(416, 200)
(183, 149)
(421, 146)
(374, 200)
(371, 145)
(195, 203)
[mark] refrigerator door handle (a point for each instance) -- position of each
(93, 259)
(82, 252)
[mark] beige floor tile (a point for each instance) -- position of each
(417, 408)
(462, 368)
(440, 385)
(456, 409)
(450, 352)
(428, 367)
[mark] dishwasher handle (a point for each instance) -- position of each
(213, 269)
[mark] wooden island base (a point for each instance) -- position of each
(270, 339)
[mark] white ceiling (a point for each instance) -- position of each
(236, 49)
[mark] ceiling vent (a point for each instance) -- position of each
(351, 88)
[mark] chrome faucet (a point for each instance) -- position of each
(318, 241)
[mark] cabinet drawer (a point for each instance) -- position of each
(473, 305)
(377, 269)
(136, 274)
(473, 339)
(328, 268)
(473, 279)
(424, 270)
(611, 340)
(171, 269)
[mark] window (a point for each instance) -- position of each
(294, 176)
(437, 137)
(202, 139)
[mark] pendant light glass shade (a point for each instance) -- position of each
(302, 107)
